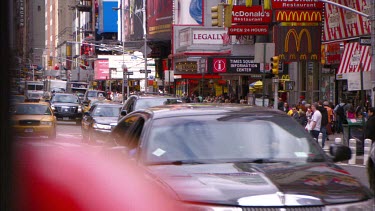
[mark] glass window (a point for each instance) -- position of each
(228, 138)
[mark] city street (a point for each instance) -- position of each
(69, 137)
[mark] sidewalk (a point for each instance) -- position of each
(359, 158)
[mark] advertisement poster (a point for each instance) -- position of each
(188, 12)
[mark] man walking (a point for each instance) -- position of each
(324, 122)
(315, 121)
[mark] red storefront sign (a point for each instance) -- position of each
(297, 4)
(299, 15)
(254, 14)
(248, 30)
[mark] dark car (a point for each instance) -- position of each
(98, 121)
(67, 107)
(238, 157)
(136, 102)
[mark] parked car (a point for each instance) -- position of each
(98, 121)
(136, 102)
(238, 157)
(33, 119)
(67, 107)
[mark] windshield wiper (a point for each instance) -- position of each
(262, 160)
(178, 162)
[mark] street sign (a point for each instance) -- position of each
(129, 73)
(365, 41)
(143, 71)
(288, 85)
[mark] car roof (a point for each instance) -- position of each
(108, 104)
(65, 94)
(191, 109)
(154, 96)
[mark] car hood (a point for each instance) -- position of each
(33, 117)
(105, 120)
(245, 184)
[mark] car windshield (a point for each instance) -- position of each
(144, 103)
(229, 139)
(96, 94)
(106, 111)
(17, 98)
(31, 109)
(65, 99)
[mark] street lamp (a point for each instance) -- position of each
(124, 67)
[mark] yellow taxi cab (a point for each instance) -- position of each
(33, 119)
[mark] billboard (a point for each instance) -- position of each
(342, 24)
(101, 69)
(159, 19)
(107, 16)
(188, 12)
(297, 43)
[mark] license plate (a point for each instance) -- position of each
(29, 130)
(65, 118)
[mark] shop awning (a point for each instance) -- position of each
(197, 76)
(355, 57)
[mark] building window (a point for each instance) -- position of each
(39, 8)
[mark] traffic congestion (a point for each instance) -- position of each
(197, 105)
(200, 155)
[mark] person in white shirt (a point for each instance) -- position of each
(315, 121)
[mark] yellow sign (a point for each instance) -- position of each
(298, 16)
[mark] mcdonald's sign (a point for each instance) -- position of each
(298, 15)
(297, 43)
(297, 4)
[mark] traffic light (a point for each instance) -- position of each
(267, 4)
(275, 65)
(228, 15)
(50, 62)
(217, 15)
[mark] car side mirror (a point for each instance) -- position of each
(123, 113)
(340, 152)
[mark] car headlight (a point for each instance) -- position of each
(360, 206)
(79, 109)
(46, 123)
(196, 207)
(101, 126)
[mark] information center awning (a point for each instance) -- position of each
(356, 57)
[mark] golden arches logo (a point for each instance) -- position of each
(285, 77)
(297, 39)
(310, 16)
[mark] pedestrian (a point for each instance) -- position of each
(370, 125)
(370, 134)
(294, 112)
(350, 113)
(330, 118)
(324, 122)
(339, 111)
(285, 107)
(280, 104)
(315, 121)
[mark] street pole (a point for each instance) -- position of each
(145, 44)
(264, 71)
